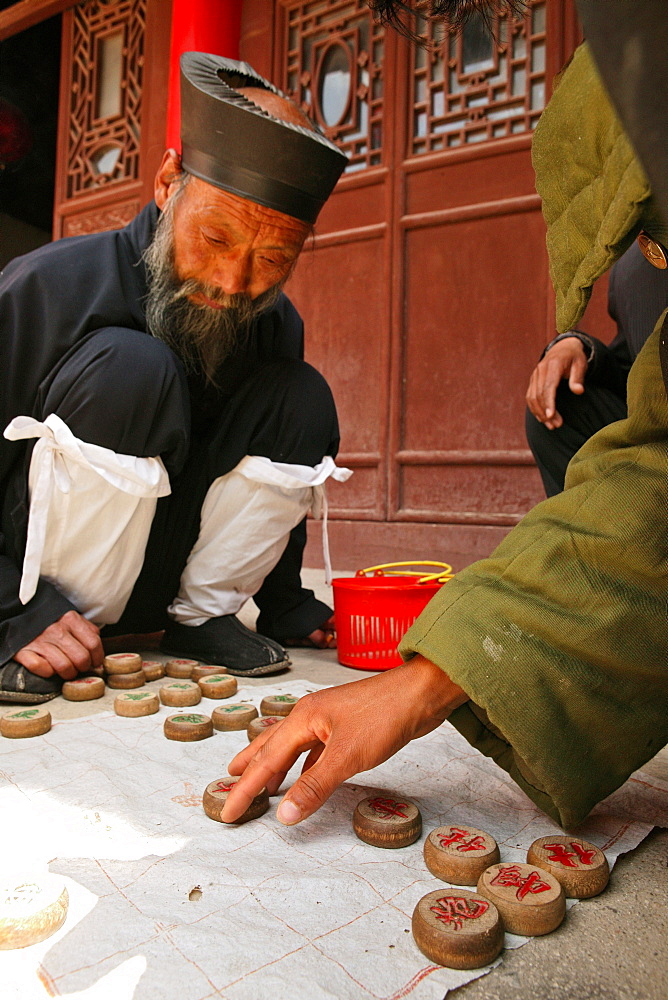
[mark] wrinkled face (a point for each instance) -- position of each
(230, 245)
(216, 262)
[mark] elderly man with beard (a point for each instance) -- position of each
(164, 440)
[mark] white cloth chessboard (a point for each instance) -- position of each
(289, 913)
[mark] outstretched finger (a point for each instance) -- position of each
(239, 763)
(263, 764)
(315, 786)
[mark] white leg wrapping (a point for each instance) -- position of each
(90, 516)
(247, 517)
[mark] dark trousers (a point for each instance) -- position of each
(126, 391)
(583, 416)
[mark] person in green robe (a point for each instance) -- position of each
(550, 656)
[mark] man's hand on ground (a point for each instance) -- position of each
(323, 637)
(566, 360)
(344, 730)
(69, 647)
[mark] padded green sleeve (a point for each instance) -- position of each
(595, 193)
(560, 638)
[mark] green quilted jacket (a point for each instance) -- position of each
(560, 637)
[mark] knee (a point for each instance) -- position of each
(121, 389)
(120, 363)
(300, 385)
(303, 419)
(305, 395)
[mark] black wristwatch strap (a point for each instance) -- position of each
(586, 342)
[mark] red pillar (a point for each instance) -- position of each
(199, 25)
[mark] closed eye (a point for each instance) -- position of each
(216, 241)
(276, 261)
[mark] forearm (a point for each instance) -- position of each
(21, 623)
(432, 689)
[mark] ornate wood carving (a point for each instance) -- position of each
(104, 137)
(333, 68)
(100, 220)
(475, 85)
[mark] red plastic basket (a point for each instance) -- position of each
(373, 613)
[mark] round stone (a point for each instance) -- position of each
(180, 668)
(32, 908)
(459, 854)
(218, 686)
(206, 671)
(154, 670)
(180, 694)
(278, 704)
(122, 682)
(122, 663)
(387, 821)
(188, 728)
(228, 718)
(215, 796)
(258, 726)
(83, 689)
(458, 929)
(581, 868)
(31, 720)
(529, 899)
(134, 704)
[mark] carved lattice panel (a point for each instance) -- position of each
(101, 220)
(106, 94)
(333, 68)
(478, 84)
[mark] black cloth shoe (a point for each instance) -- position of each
(19, 685)
(225, 642)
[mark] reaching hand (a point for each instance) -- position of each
(343, 730)
(70, 646)
(567, 359)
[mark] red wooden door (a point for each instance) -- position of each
(471, 282)
(426, 293)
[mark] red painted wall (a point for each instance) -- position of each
(199, 25)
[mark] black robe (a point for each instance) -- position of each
(50, 301)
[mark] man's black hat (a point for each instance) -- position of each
(229, 142)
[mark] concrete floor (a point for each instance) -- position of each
(613, 947)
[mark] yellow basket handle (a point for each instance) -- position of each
(445, 572)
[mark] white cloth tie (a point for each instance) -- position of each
(263, 470)
(57, 462)
(246, 520)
